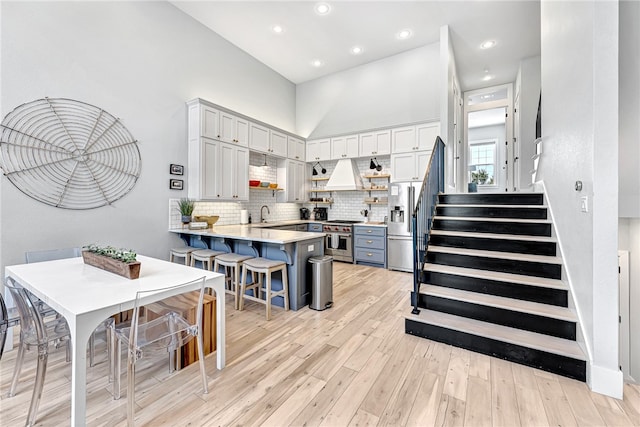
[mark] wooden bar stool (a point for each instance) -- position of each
(205, 256)
(183, 252)
(232, 264)
(263, 266)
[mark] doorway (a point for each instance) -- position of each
(489, 152)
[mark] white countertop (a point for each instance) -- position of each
(254, 232)
(370, 224)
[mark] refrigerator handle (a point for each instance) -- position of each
(409, 208)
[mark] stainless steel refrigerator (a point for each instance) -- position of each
(402, 202)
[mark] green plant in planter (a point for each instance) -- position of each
(480, 177)
(125, 255)
(186, 206)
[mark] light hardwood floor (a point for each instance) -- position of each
(349, 365)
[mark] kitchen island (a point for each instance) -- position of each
(293, 247)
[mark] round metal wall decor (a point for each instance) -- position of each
(68, 154)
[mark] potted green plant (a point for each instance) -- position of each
(186, 206)
(119, 261)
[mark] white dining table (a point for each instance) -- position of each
(86, 295)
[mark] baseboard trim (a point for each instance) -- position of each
(609, 382)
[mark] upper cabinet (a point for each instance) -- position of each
(344, 147)
(216, 170)
(278, 145)
(409, 166)
(295, 149)
(318, 150)
(414, 138)
(258, 138)
(426, 135)
(206, 124)
(267, 141)
(375, 143)
(291, 175)
(233, 129)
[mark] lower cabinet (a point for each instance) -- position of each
(370, 245)
(315, 227)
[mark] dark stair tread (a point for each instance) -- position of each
(496, 275)
(542, 342)
(495, 254)
(512, 304)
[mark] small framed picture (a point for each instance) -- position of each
(176, 169)
(176, 184)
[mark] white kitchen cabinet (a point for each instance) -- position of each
(291, 176)
(344, 147)
(267, 141)
(426, 135)
(403, 139)
(209, 121)
(233, 129)
(217, 170)
(233, 178)
(278, 144)
(295, 148)
(318, 150)
(376, 143)
(414, 138)
(201, 172)
(258, 138)
(409, 166)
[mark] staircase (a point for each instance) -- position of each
(491, 283)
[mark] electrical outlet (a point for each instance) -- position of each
(584, 204)
(310, 248)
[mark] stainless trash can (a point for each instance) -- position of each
(321, 282)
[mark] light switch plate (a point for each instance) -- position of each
(310, 248)
(584, 204)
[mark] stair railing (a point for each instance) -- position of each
(432, 185)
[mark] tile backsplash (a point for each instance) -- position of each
(346, 204)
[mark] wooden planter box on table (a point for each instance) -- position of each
(186, 305)
(130, 270)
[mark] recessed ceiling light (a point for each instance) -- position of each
(488, 44)
(356, 50)
(487, 77)
(322, 8)
(277, 29)
(317, 63)
(403, 34)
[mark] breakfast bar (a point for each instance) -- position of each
(293, 247)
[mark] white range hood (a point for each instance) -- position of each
(345, 176)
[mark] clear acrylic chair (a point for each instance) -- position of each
(4, 324)
(36, 333)
(161, 336)
(45, 310)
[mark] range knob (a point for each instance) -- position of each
(345, 229)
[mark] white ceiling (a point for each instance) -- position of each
(514, 25)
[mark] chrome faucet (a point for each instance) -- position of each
(261, 215)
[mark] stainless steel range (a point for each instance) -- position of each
(339, 239)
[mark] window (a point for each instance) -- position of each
(482, 162)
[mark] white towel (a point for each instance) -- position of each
(335, 241)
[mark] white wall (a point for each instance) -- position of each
(580, 124)
(529, 90)
(141, 61)
(629, 172)
(403, 88)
